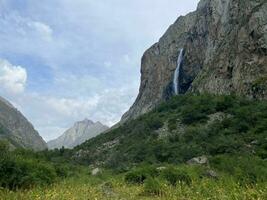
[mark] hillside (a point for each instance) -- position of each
(183, 128)
(17, 130)
(191, 147)
(79, 133)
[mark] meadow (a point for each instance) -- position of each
(108, 186)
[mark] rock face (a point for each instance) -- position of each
(79, 133)
(225, 51)
(17, 130)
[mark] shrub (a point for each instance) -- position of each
(155, 123)
(174, 176)
(139, 175)
(224, 102)
(192, 116)
(17, 172)
(172, 124)
(246, 169)
(153, 186)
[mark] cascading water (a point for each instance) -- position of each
(177, 73)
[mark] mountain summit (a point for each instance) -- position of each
(79, 133)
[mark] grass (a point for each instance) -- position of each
(87, 187)
(230, 131)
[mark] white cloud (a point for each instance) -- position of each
(44, 30)
(12, 78)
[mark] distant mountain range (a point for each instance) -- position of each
(79, 133)
(17, 130)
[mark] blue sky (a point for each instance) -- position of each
(65, 60)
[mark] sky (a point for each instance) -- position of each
(65, 60)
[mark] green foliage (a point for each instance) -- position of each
(174, 176)
(154, 122)
(17, 172)
(197, 124)
(139, 175)
(172, 123)
(25, 168)
(153, 186)
(246, 169)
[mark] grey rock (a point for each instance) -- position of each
(161, 168)
(202, 160)
(79, 133)
(211, 174)
(225, 51)
(17, 130)
(96, 171)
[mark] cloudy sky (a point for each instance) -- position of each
(65, 60)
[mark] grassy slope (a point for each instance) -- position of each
(231, 131)
(184, 127)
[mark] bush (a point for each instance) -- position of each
(138, 176)
(153, 186)
(154, 123)
(245, 169)
(172, 124)
(16, 172)
(192, 116)
(174, 176)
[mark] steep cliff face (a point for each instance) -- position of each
(225, 51)
(79, 133)
(17, 130)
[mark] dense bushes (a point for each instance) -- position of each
(139, 175)
(25, 168)
(196, 125)
(246, 169)
(17, 171)
(172, 175)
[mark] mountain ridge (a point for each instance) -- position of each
(77, 134)
(17, 130)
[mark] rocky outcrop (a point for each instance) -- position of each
(225, 51)
(17, 130)
(79, 133)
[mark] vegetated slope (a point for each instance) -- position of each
(183, 128)
(17, 130)
(79, 133)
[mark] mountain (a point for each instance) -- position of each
(224, 45)
(17, 130)
(79, 133)
(215, 59)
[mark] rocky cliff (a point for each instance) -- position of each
(225, 51)
(17, 130)
(79, 133)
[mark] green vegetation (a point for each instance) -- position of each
(26, 169)
(146, 158)
(188, 126)
(107, 186)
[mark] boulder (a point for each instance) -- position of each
(96, 171)
(202, 160)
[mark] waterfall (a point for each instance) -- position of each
(177, 73)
